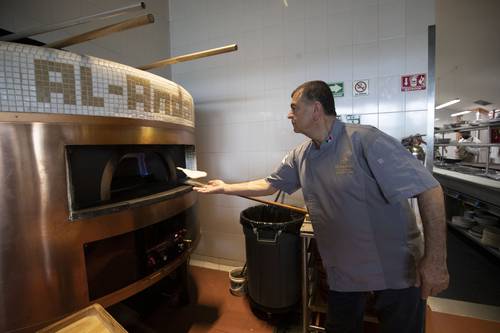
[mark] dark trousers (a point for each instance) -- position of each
(398, 311)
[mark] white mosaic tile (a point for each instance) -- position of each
(37, 79)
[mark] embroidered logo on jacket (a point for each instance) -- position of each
(344, 166)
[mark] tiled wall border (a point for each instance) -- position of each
(218, 264)
(44, 80)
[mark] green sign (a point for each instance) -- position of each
(337, 89)
(353, 118)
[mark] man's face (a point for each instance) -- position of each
(301, 113)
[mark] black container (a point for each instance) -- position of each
(273, 257)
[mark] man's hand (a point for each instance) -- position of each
(432, 277)
(214, 186)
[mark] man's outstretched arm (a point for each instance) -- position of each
(255, 188)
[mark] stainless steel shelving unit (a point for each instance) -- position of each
(488, 146)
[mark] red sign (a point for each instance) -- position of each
(413, 82)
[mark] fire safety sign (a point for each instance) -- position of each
(413, 82)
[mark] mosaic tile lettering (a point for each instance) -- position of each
(37, 79)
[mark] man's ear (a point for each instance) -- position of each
(317, 111)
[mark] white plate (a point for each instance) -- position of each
(487, 220)
(462, 222)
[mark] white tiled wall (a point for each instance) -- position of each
(242, 98)
(133, 47)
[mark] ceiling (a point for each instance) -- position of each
(467, 54)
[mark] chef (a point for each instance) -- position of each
(467, 153)
(356, 182)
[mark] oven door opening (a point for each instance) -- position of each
(136, 175)
(106, 179)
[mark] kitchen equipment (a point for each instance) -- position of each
(469, 214)
(73, 22)
(238, 281)
(487, 220)
(414, 144)
(88, 202)
(476, 231)
(103, 31)
(491, 237)
(190, 56)
(443, 140)
(462, 222)
(451, 160)
(92, 319)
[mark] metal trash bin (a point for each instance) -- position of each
(272, 244)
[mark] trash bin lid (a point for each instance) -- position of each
(263, 216)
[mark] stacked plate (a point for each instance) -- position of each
(491, 237)
(486, 219)
(476, 231)
(469, 214)
(462, 222)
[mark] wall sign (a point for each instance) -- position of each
(360, 87)
(353, 118)
(337, 89)
(413, 82)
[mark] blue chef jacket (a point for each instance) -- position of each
(356, 187)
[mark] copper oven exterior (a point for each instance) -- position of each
(42, 264)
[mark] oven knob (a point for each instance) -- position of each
(151, 261)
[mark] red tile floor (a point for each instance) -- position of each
(212, 309)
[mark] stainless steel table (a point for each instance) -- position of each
(306, 234)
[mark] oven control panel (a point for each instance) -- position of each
(166, 251)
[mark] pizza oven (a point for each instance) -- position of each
(92, 206)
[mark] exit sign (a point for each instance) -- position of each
(337, 89)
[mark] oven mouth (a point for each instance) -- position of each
(107, 179)
(131, 175)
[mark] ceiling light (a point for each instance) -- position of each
(459, 113)
(456, 100)
(436, 119)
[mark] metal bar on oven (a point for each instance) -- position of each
(190, 56)
(104, 31)
(70, 23)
